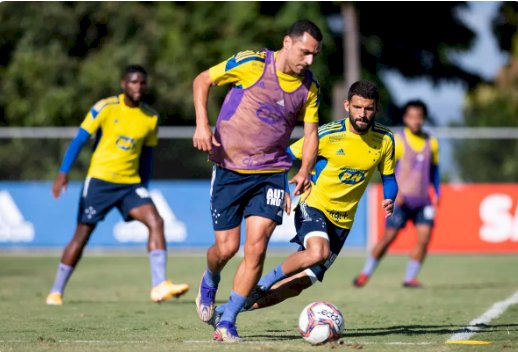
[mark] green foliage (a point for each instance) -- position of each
(491, 105)
(58, 58)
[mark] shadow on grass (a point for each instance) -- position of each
(413, 330)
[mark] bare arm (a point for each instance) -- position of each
(203, 138)
(309, 154)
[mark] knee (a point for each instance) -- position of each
(255, 252)
(227, 251)
(318, 255)
(155, 222)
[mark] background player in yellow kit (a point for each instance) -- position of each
(417, 166)
(350, 151)
(118, 175)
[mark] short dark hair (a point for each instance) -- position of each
(300, 27)
(364, 89)
(133, 69)
(416, 103)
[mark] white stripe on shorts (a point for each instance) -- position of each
(85, 188)
(311, 275)
(315, 234)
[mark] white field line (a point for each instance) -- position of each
(494, 312)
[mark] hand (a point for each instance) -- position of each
(60, 184)
(388, 206)
(303, 184)
(287, 202)
(203, 138)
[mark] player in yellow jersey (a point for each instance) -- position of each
(119, 172)
(349, 152)
(417, 166)
(270, 92)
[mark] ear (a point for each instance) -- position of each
(122, 84)
(346, 105)
(286, 43)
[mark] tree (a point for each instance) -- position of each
(494, 104)
(52, 77)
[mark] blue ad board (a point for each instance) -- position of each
(31, 218)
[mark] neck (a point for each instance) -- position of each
(130, 102)
(281, 64)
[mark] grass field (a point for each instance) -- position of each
(107, 308)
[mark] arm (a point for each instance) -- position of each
(309, 153)
(203, 138)
(390, 189)
(146, 165)
(436, 181)
(61, 181)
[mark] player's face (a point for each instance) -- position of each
(301, 52)
(361, 113)
(414, 119)
(134, 86)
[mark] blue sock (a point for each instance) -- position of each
(212, 279)
(370, 265)
(62, 276)
(220, 309)
(272, 277)
(233, 306)
(412, 269)
(158, 262)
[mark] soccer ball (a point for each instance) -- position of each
(320, 322)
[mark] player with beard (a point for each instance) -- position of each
(349, 152)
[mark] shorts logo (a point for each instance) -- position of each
(275, 197)
(351, 176)
(90, 212)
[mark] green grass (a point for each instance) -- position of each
(107, 308)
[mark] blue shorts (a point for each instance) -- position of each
(420, 216)
(311, 222)
(235, 195)
(98, 197)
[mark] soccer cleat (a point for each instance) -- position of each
(257, 293)
(55, 299)
(412, 284)
(205, 301)
(360, 280)
(216, 318)
(226, 332)
(166, 289)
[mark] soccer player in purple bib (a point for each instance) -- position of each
(417, 166)
(270, 92)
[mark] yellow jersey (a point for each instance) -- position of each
(246, 67)
(345, 164)
(417, 143)
(121, 132)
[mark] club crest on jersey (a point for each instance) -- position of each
(275, 197)
(351, 176)
(125, 143)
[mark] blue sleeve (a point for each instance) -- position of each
(73, 150)
(290, 153)
(389, 187)
(146, 165)
(435, 179)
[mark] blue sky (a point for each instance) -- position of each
(446, 100)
